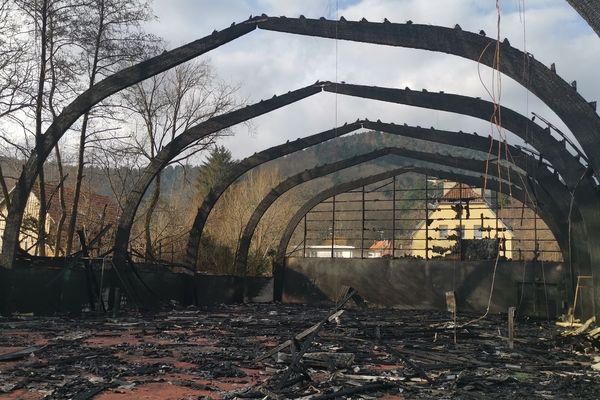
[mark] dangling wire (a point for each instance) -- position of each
(335, 127)
(337, 19)
(495, 94)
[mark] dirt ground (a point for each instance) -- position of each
(212, 353)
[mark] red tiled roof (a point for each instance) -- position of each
(461, 192)
(90, 210)
(381, 245)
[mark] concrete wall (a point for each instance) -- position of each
(420, 284)
(46, 290)
(52, 289)
(42, 291)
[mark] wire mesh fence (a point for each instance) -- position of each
(428, 219)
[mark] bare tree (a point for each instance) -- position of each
(16, 72)
(50, 28)
(111, 37)
(119, 166)
(166, 106)
(15, 76)
(232, 212)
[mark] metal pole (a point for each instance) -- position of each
(394, 217)
(536, 252)
(426, 218)
(362, 230)
(497, 216)
(460, 224)
(304, 240)
(332, 226)
(497, 211)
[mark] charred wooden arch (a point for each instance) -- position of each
(452, 102)
(181, 142)
(577, 114)
(83, 103)
(560, 96)
(279, 263)
(589, 11)
(549, 186)
(540, 138)
(549, 211)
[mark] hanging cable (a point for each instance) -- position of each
(496, 126)
(336, 41)
(569, 224)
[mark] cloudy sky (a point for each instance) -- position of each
(265, 63)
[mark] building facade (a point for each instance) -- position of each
(461, 214)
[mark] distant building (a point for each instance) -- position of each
(380, 248)
(324, 251)
(28, 234)
(95, 211)
(460, 211)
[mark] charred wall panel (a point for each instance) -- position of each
(419, 284)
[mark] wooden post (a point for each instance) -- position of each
(426, 219)
(460, 222)
(511, 327)
(394, 217)
(451, 306)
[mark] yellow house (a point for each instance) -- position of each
(28, 234)
(95, 211)
(460, 212)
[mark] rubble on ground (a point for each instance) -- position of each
(256, 352)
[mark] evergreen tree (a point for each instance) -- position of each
(214, 169)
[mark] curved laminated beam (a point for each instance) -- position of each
(547, 187)
(571, 107)
(529, 131)
(577, 114)
(327, 193)
(279, 264)
(246, 165)
(83, 103)
(563, 99)
(590, 11)
(553, 217)
(181, 142)
(585, 230)
(553, 188)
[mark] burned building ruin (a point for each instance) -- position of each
(441, 274)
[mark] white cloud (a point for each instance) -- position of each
(267, 63)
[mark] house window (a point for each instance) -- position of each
(460, 231)
(477, 234)
(443, 231)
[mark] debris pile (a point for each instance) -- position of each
(292, 351)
